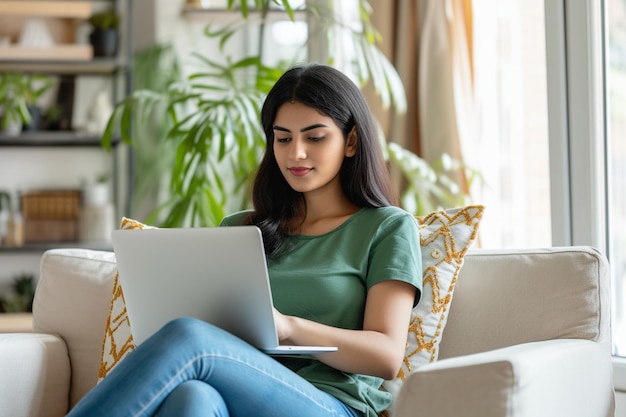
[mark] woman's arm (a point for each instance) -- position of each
(376, 350)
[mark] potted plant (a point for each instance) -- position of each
(52, 117)
(23, 294)
(19, 96)
(97, 192)
(214, 120)
(155, 69)
(105, 34)
(13, 103)
(36, 86)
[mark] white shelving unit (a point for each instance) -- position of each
(62, 158)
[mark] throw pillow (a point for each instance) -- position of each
(118, 339)
(445, 237)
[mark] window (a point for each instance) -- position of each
(552, 121)
(511, 145)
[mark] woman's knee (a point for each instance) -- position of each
(190, 330)
(193, 398)
(196, 338)
(184, 325)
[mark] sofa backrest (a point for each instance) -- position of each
(506, 297)
(72, 300)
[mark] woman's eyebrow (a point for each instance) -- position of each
(304, 129)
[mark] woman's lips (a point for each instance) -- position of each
(299, 171)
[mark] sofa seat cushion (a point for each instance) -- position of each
(37, 368)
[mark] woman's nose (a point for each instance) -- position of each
(297, 150)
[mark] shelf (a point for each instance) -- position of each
(61, 52)
(99, 66)
(226, 16)
(67, 9)
(16, 322)
(71, 60)
(42, 247)
(55, 139)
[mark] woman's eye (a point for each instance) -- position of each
(282, 140)
(316, 138)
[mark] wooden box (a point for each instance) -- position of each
(51, 204)
(50, 215)
(50, 230)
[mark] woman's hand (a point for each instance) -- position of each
(375, 350)
(282, 326)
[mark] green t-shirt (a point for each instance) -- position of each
(325, 278)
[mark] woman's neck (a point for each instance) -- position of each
(323, 215)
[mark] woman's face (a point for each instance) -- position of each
(309, 148)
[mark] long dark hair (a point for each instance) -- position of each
(364, 177)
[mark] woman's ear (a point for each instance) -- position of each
(351, 143)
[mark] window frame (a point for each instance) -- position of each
(575, 57)
(576, 119)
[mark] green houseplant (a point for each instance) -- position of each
(36, 86)
(105, 35)
(213, 118)
(155, 69)
(23, 294)
(19, 96)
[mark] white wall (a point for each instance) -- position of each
(23, 169)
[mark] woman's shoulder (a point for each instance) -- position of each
(236, 219)
(388, 214)
(386, 220)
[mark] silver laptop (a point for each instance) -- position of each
(216, 274)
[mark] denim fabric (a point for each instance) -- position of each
(190, 368)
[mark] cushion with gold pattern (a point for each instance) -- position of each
(118, 339)
(445, 238)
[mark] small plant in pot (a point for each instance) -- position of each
(36, 86)
(53, 116)
(97, 193)
(23, 294)
(13, 107)
(19, 95)
(105, 35)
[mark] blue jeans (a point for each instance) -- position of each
(191, 368)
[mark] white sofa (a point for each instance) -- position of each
(528, 335)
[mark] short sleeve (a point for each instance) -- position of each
(396, 254)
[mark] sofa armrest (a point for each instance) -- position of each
(72, 300)
(34, 375)
(564, 377)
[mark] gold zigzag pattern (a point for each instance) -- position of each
(441, 226)
(118, 339)
(116, 325)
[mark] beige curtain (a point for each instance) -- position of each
(397, 20)
(430, 44)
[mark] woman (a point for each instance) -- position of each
(344, 266)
